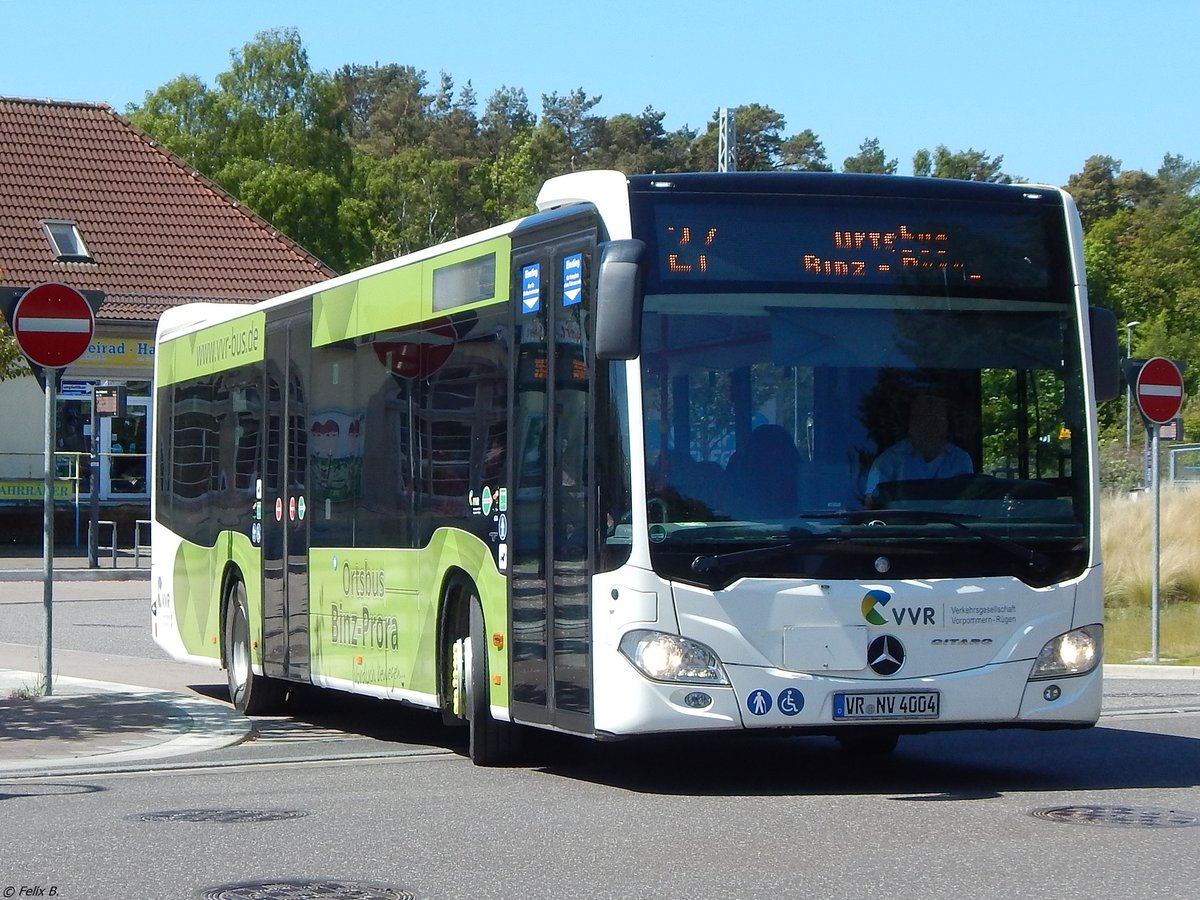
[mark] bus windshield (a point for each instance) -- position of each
(850, 437)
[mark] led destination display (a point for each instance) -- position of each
(701, 241)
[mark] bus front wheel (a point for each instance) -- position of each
(251, 694)
(492, 743)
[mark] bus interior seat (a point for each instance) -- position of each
(763, 477)
(691, 487)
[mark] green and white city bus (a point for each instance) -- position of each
(610, 469)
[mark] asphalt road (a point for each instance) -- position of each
(106, 617)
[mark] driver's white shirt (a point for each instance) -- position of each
(901, 462)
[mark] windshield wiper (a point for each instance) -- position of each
(1032, 558)
(798, 537)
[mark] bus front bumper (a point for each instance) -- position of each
(992, 696)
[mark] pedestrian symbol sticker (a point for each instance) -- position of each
(531, 288)
(759, 702)
(572, 279)
(791, 701)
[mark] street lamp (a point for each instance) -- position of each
(1129, 326)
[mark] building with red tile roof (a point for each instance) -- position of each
(89, 201)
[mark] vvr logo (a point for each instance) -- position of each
(874, 608)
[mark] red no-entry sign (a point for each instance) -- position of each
(53, 325)
(1159, 390)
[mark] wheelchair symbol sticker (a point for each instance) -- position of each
(759, 702)
(791, 701)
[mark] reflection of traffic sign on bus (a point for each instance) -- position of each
(417, 353)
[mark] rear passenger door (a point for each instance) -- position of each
(285, 496)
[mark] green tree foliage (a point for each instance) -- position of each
(572, 127)
(305, 199)
(508, 181)
(186, 118)
(639, 143)
(506, 116)
(385, 107)
(1095, 189)
(804, 152)
(12, 361)
(965, 165)
(870, 160)
(922, 165)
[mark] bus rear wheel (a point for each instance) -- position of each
(251, 694)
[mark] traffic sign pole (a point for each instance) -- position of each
(1155, 543)
(48, 539)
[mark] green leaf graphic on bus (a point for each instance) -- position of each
(871, 604)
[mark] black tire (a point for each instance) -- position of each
(251, 694)
(492, 743)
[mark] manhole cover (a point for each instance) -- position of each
(305, 890)
(224, 816)
(45, 789)
(1120, 816)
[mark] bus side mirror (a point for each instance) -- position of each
(1106, 353)
(619, 300)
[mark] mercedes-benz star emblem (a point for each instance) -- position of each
(885, 655)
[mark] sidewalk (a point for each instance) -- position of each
(70, 563)
(87, 725)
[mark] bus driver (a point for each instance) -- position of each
(925, 453)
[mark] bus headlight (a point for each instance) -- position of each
(1074, 653)
(669, 657)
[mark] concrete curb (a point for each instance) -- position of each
(8, 575)
(209, 725)
(1151, 670)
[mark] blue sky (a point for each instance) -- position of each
(1044, 83)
